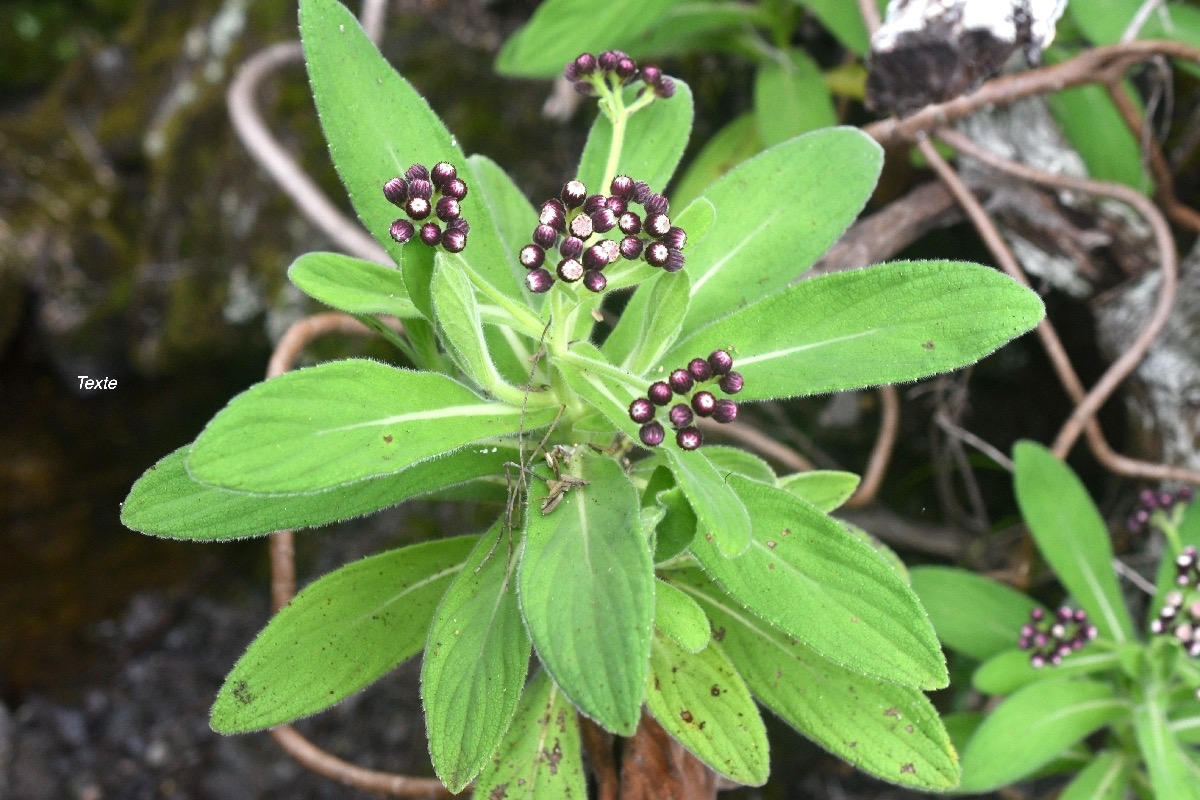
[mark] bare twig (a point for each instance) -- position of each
(870, 15)
(881, 453)
(599, 745)
(1139, 20)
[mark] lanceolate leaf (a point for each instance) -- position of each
(513, 215)
(650, 325)
(1071, 535)
(678, 617)
(1004, 673)
(336, 423)
(886, 324)
(888, 730)
(586, 588)
(475, 662)
(721, 513)
(730, 146)
(807, 576)
(825, 489)
(791, 98)
(972, 614)
(700, 700)
(1106, 778)
(458, 318)
(1173, 773)
(778, 212)
(351, 284)
(739, 462)
(341, 633)
(167, 502)
(540, 757)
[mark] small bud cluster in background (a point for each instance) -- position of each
(1150, 501)
(1181, 619)
(1054, 638)
(422, 193)
(575, 224)
(613, 69)
(719, 367)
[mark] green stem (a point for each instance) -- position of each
(390, 335)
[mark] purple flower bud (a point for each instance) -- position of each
(585, 63)
(584, 88)
(631, 247)
(665, 88)
(447, 209)
(659, 393)
(442, 172)
(689, 438)
(539, 280)
(573, 194)
(396, 191)
(703, 403)
(594, 280)
(593, 203)
(640, 193)
(419, 187)
(1156, 626)
(1065, 613)
(459, 224)
(594, 257)
(456, 188)
(680, 415)
(1037, 661)
(725, 411)
(657, 253)
(1040, 640)
(651, 74)
(617, 205)
(607, 60)
(416, 172)
(402, 231)
(733, 383)
(603, 220)
(1194, 611)
(675, 260)
(1037, 614)
(570, 247)
(554, 214)
(1027, 631)
(629, 223)
(1194, 651)
(1186, 494)
(656, 204)
(545, 236)
(675, 237)
(569, 270)
(1148, 499)
(532, 256)
(681, 381)
(720, 362)
(1137, 520)
(1079, 616)
(581, 227)
(621, 186)
(418, 207)
(1024, 643)
(657, 225)
(641, 410)
(652, 434)
(699, 369)
(626, 68)
(431, 234)
(454, 241)
(612, 250)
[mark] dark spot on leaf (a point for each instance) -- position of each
(908, 728)
(771, 565)
(908, 769)
(499, 793)
(701, 725)
(785, 532)
(719, 635)
(387, 439)
(553, 756)
(561, 720)
(853, 744)
(770, 543)
(656, 684)
(892, 712)
(685, 715)
(716, 690)
(853, 619)
(708, 537)
(927, 345)
(674, 670)
(242, 693)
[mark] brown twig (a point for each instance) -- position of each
(599, 745)
(881, 453)
(870, 15)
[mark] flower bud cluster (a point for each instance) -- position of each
(576, 223)
(1051, 639)
(717, 367)
(1150, 501)
(613, 69)
(424, 194)
(1180, 617)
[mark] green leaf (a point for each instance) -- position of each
(562, 29)
(701, 701)
(475, 662)
(739, 462)
(887, 324)
(811, 579)
(791, 98)
(340, 633)
(1172, 773)
(654, 141)
(972, 614)
(721, 513)
(692, 27)
(586, 588)
(511, 212)
(540, 757)
(1189, 534)
(762, 240)
(1005, 672)
(677, 529)
(377, 125)
(165, 501)
(678, 617)
(843, 20)
(1071, 535)
(649, 324)
(1106, 778)
(730, 146)
(457, 315)
(330, 425)
(888, 730)
(825, 488)
(1032, 727)
(351, 284)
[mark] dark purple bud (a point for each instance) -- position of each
(431, 234)
(584, 88)
(1148, 498)
(675, 260)
(1079, 615)
(699, 369)
(680, 414)
(1137, 520)
(612, 250)
(629, 223)
(659, 393)
(417, 172)
(594, 281)
(442, 172)
(631, 247)
(1024, 643)
(689, 438)
(539, 280)
(720, 361)
(607, 60)
(656, 204)
(593, 203)
(545, 236)
(1027, 631)
(640, 193)
(595, 258)
(651, 74)
(641, 410)
(573, 194)
(569, 270)
(554, 214)
(532, 256)
(657, 253)
(1186, 494)
(1040, 640)
(1166, 499)
(418, 207)
(570, 247)
(571, 72)
(459, 224)
(1037, 614)
(703, 403)
(447, 209)
(732, 383)
(585, 63)
(681, 381)
(420, 188)
(675, 237)
(1065, 614)
(603, 220)
(456, 188)
(454, 241)
(617, 205)
(402, 231)
(652, 434)
(396, 191)
(621, 186)
(657, 225)
(725, 411)
(665, 88)
(626, 68)
(581, 227)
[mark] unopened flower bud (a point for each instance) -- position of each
(545, 236)
(416, 172)
(396, 191)
(603, 220)
(720, 362)
(732, 383)
(402, 231)
(419, 187)
(594, 280)
(417, 207)
(456, 188)
(681, 381)
(656, 204)
(539, 280)
(656, 254)
(594, 257)
(641, 410)
(657, 225)
(652, 434)
(689, 438)
(573, 194)
(725, 411)
(570, 247)
(703, 403)
(569, 270)
(554, 214)
(532, 256)
(675, 237)
(447, 209)
(621, 186)
(454, 241)
(581, 227)
(631, 247)
(659, 393)
(680, 415)
(675, 261)
(699, 369)
(431, 234)
(442, 172)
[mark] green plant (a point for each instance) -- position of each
(688, 579)
(1118, 708)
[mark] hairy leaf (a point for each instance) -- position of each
(972, 614)
(791, 98)
(351, 284)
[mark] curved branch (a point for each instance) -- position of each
(881, 453)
